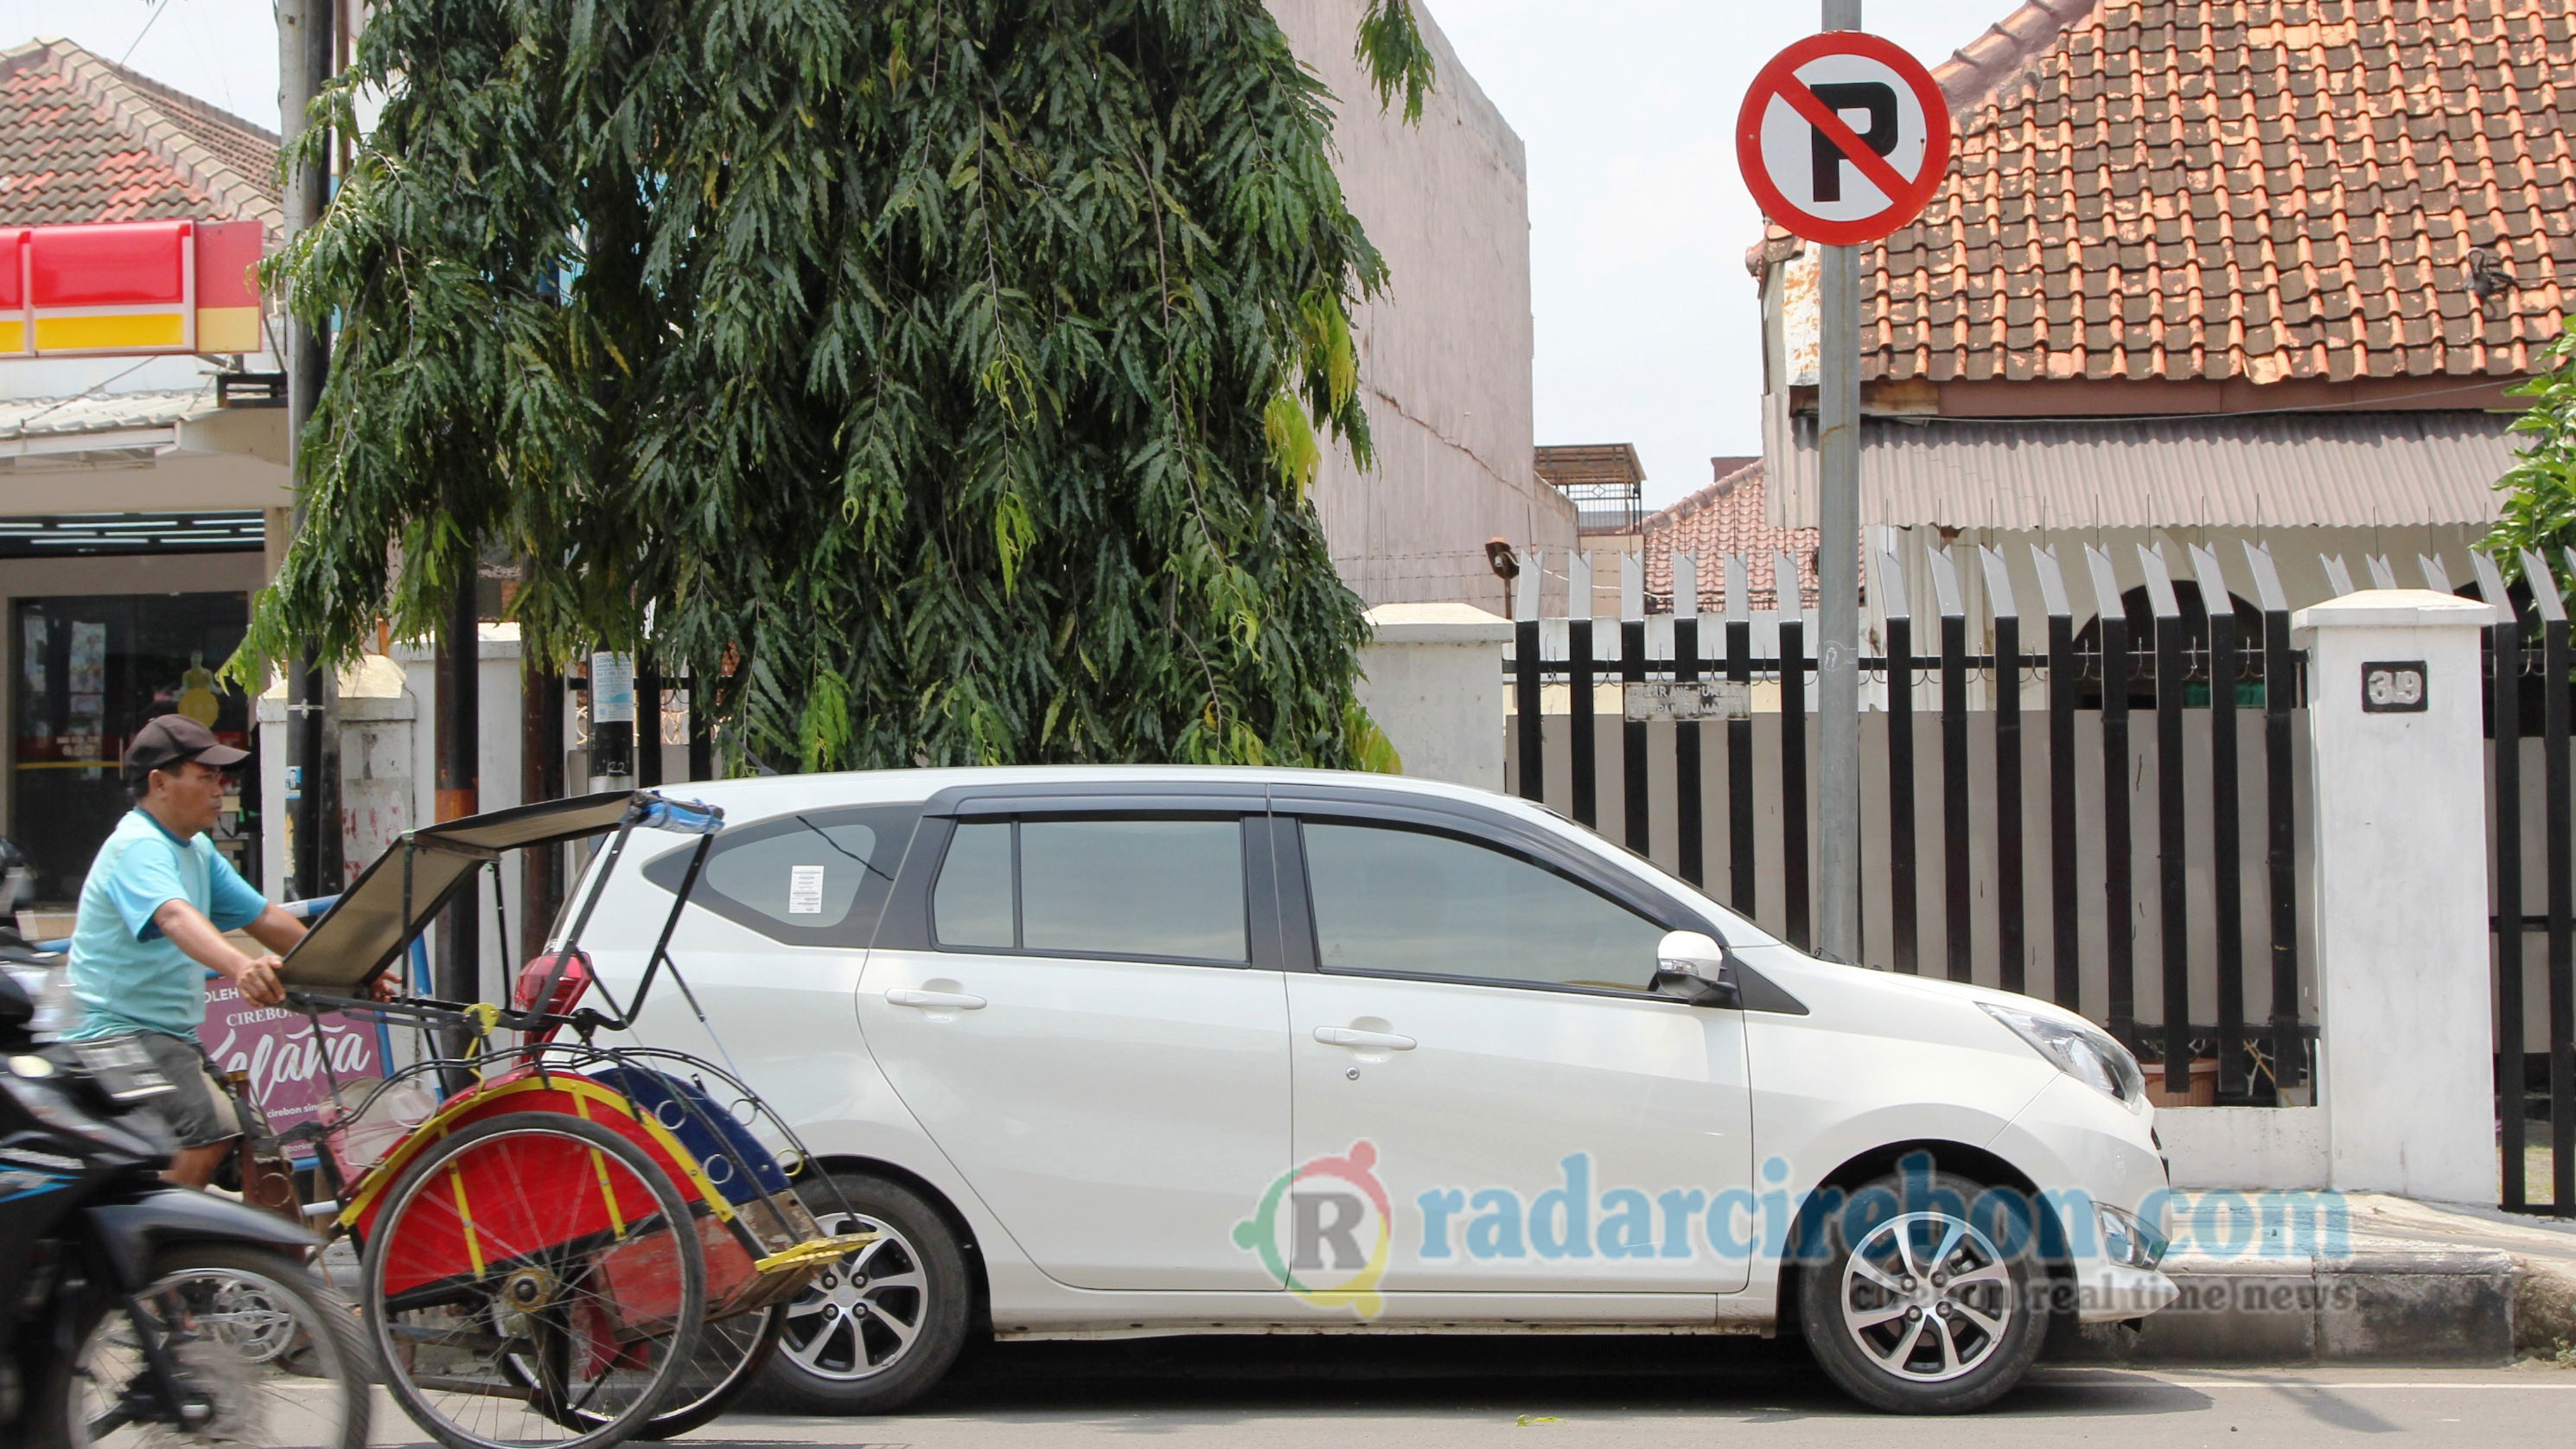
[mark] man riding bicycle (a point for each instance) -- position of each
(153, 914)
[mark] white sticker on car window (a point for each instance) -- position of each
(805, 890)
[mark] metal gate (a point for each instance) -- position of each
(2527, 726)
(2111, 822)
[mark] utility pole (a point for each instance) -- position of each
(460, 784)
(303, 67)
(541, 777)
(1838, 584)
(648, 720)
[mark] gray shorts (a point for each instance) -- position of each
(200, 1112)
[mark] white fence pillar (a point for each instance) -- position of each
(1435, 687)
(2397, 758)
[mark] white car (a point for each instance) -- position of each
(1130, 1051)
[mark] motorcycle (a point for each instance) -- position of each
(133, 1311)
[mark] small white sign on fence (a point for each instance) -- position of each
(1666, 699)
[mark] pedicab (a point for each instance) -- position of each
(562, 1239)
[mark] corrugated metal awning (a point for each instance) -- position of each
(107, 412)
(2243, 470)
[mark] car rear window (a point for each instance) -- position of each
(816, 877)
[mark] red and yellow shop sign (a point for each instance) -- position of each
(129, 287)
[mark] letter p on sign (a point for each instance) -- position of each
(1843, 138)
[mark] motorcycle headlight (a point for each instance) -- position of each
(141, 1137)
(2082, 1051)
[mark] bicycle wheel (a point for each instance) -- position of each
(271, 1354)
(534, 1246)
(731, 1353)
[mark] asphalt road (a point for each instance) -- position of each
(1429, 1393)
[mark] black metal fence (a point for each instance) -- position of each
(2110, 822)
(2528, 762)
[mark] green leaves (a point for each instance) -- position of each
(2539, 510)
(1392, 48)
(947, 373)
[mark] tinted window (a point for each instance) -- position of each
(1133, 888)
(1096, 887)
(1414, 903)
(972, 904)
(815, 878)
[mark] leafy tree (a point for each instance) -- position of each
(2539, 510)
(948, 374)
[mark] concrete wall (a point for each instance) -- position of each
(1434, 684)
(2401, 883)
(1445, 353)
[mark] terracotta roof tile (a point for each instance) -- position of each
(2270, 182)
(85, 140)
(1726, 517)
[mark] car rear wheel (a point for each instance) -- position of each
(1919, 1310)
(882, 1326)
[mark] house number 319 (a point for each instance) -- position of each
(2393, 687)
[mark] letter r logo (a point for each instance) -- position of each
(1320, 1219)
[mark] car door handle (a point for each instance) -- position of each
(934, 1000)
(1343, 1036)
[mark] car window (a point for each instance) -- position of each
(1415, 903)
(971, 906)
(1170, 889)
(813, 878)
(1133, 888)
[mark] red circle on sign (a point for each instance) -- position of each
(1783, 72)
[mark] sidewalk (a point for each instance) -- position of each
(2397, 1282)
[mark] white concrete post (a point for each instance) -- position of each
(2397, 764)
(1435, 687)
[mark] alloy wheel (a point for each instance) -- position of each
(1927, 1297)
(861, 1315)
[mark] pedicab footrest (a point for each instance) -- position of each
(814, 1253)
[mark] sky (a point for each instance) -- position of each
(1648, 329)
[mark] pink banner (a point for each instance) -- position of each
(279, 1050)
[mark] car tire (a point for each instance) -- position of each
(886, 1323)
(1925, 1314)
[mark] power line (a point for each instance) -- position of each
(149, 22)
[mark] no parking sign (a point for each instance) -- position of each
(1843, 138)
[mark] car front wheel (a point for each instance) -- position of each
(1917, 1309)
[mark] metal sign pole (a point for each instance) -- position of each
(1838, 584)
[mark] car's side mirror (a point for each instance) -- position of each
(1693, 966)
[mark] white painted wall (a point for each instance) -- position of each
(497, 722)
(2407, 1041)
(2246, 1147)
(1445, 354)
(1434, 684)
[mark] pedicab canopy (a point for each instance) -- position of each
(396, 897)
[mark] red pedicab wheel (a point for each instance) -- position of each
(541, 1240)
(731, 1352)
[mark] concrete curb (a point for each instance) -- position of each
(2392, 1303)
(2544, 1306)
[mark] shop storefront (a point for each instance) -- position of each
(110, 620)
(88, 671)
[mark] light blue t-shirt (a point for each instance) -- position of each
(125, 973)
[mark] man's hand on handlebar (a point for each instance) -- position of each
(258, 983)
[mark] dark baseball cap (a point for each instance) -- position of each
(168, 739)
